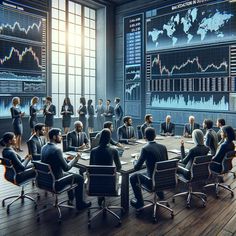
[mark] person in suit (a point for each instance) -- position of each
(82, 111)
(126, 132)
(211, 139)
(227, 145)
(49, 111)
(33, 113)
(219, 124)
(100, 111)
(77, 139)
(190, 126)
(151, 153)
(90, 116)
(118, 113)
(37, 141)
(199, 149)
(67, 110)
(17, 115)
(22, 166)
(52, 155)
(167, 127)
(109, 111)
(148, 123)
(104, 154)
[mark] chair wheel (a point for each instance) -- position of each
(172, 215)
(38, 219)
(38, 197)
(8, 209)
(154, 220)
(167, 204)
(188, 205)
(204, 204)
(173, 200)
(59, 221)
(119, 224)
(232, 194)
(35, 206)
(89, 213)
(3, 203)
(89, 225)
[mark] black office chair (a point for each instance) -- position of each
(139, 132)
(93, 134)
(199, 172)
(64, 143)
(218, 170)
(15, 178)
(102, 182)
(164, 177)
(45, 180)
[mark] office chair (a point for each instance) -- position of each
(220, 169)
(45, 180)
(64, 143)
(199, 172)
(12, 176)
(164, 177)
(102, 182)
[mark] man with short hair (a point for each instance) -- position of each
(77, 139)
(52, 155)
(126, 132)
(220, 123)
(109, 111)
(147, 123)
(118, 113)
(190, 127)
(167, 128)
(151, 153)
(36, 141)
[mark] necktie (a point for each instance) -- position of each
(167, 127)
(191, 129)
(79, 139)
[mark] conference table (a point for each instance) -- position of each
(172, 144)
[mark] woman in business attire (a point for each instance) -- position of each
(49, 112)
(227, 145)
(67, 110)
(82, 111)
(16, 115)
(33, 113)
(90, 116)
(198, 150)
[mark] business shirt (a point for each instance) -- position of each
(35, 144)
(125, 133)
(167, 128)
(75, 140)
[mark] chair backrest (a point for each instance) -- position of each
(44, 176)
(164, 175)
(9, 170)
(139, 132)
(64, 143)
(101, 180)
(200, 169)
(93, 134)
(227, 161)
(29, 147)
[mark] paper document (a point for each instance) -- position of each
(141, 141)
(123, 162)
(72, 153)
(176, 151)
(85, 156)
(189, 141)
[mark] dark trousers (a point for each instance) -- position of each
(28, 173)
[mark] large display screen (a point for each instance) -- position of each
(23, 58)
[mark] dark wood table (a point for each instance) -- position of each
(128, 168)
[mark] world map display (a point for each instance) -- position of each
(198, 25)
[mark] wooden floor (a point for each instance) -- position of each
(217, 218)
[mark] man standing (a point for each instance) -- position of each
(220, 123)
(118, 113)
(52, 155)
(151, 153)
(109, 111)
(190, 127)
(77, 139)
(167, 128)
(100, 110)
(36, 141)
(148, 123)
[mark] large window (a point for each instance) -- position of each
(73, 52)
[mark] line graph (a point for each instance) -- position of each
(132, 91)
(133, 72)
(207, 61)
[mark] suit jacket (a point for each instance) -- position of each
(35, 145)
(151, 153)
(143, 127)
(188, 130)
(211, 140)
(73, 142)
(118, 112)
(105, 155)
(70, 111)
(108, 113)
(52, 155)
(33, 116)
(198, 150)
(49, 117)
(122, 133)
(170, 129)
(97, 140)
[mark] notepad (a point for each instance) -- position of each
(72, 153)
(189, 141)
(85, 157)
(159, 138)
(141, 141)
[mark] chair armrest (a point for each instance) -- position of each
(64, 178)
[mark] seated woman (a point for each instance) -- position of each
(227, 145)
(198, 150)
(21, 166)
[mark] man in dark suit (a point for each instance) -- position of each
(77, 139)
(126, 132)
(109, 111)
(36, 142)
(151, 153)
(118, 113)
(52, 155)
(220, 123)
(190, 127)
(148, 123)
(167, 128)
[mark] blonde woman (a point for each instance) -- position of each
(33, 113)
(16, 115)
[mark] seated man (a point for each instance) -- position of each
(126, 132)
(211, 139)
(52, 155)
(220, 123)
(148, 123)
(167, 128)
(36, 141)
(77, 139)
(151, 153)
(190, 127)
